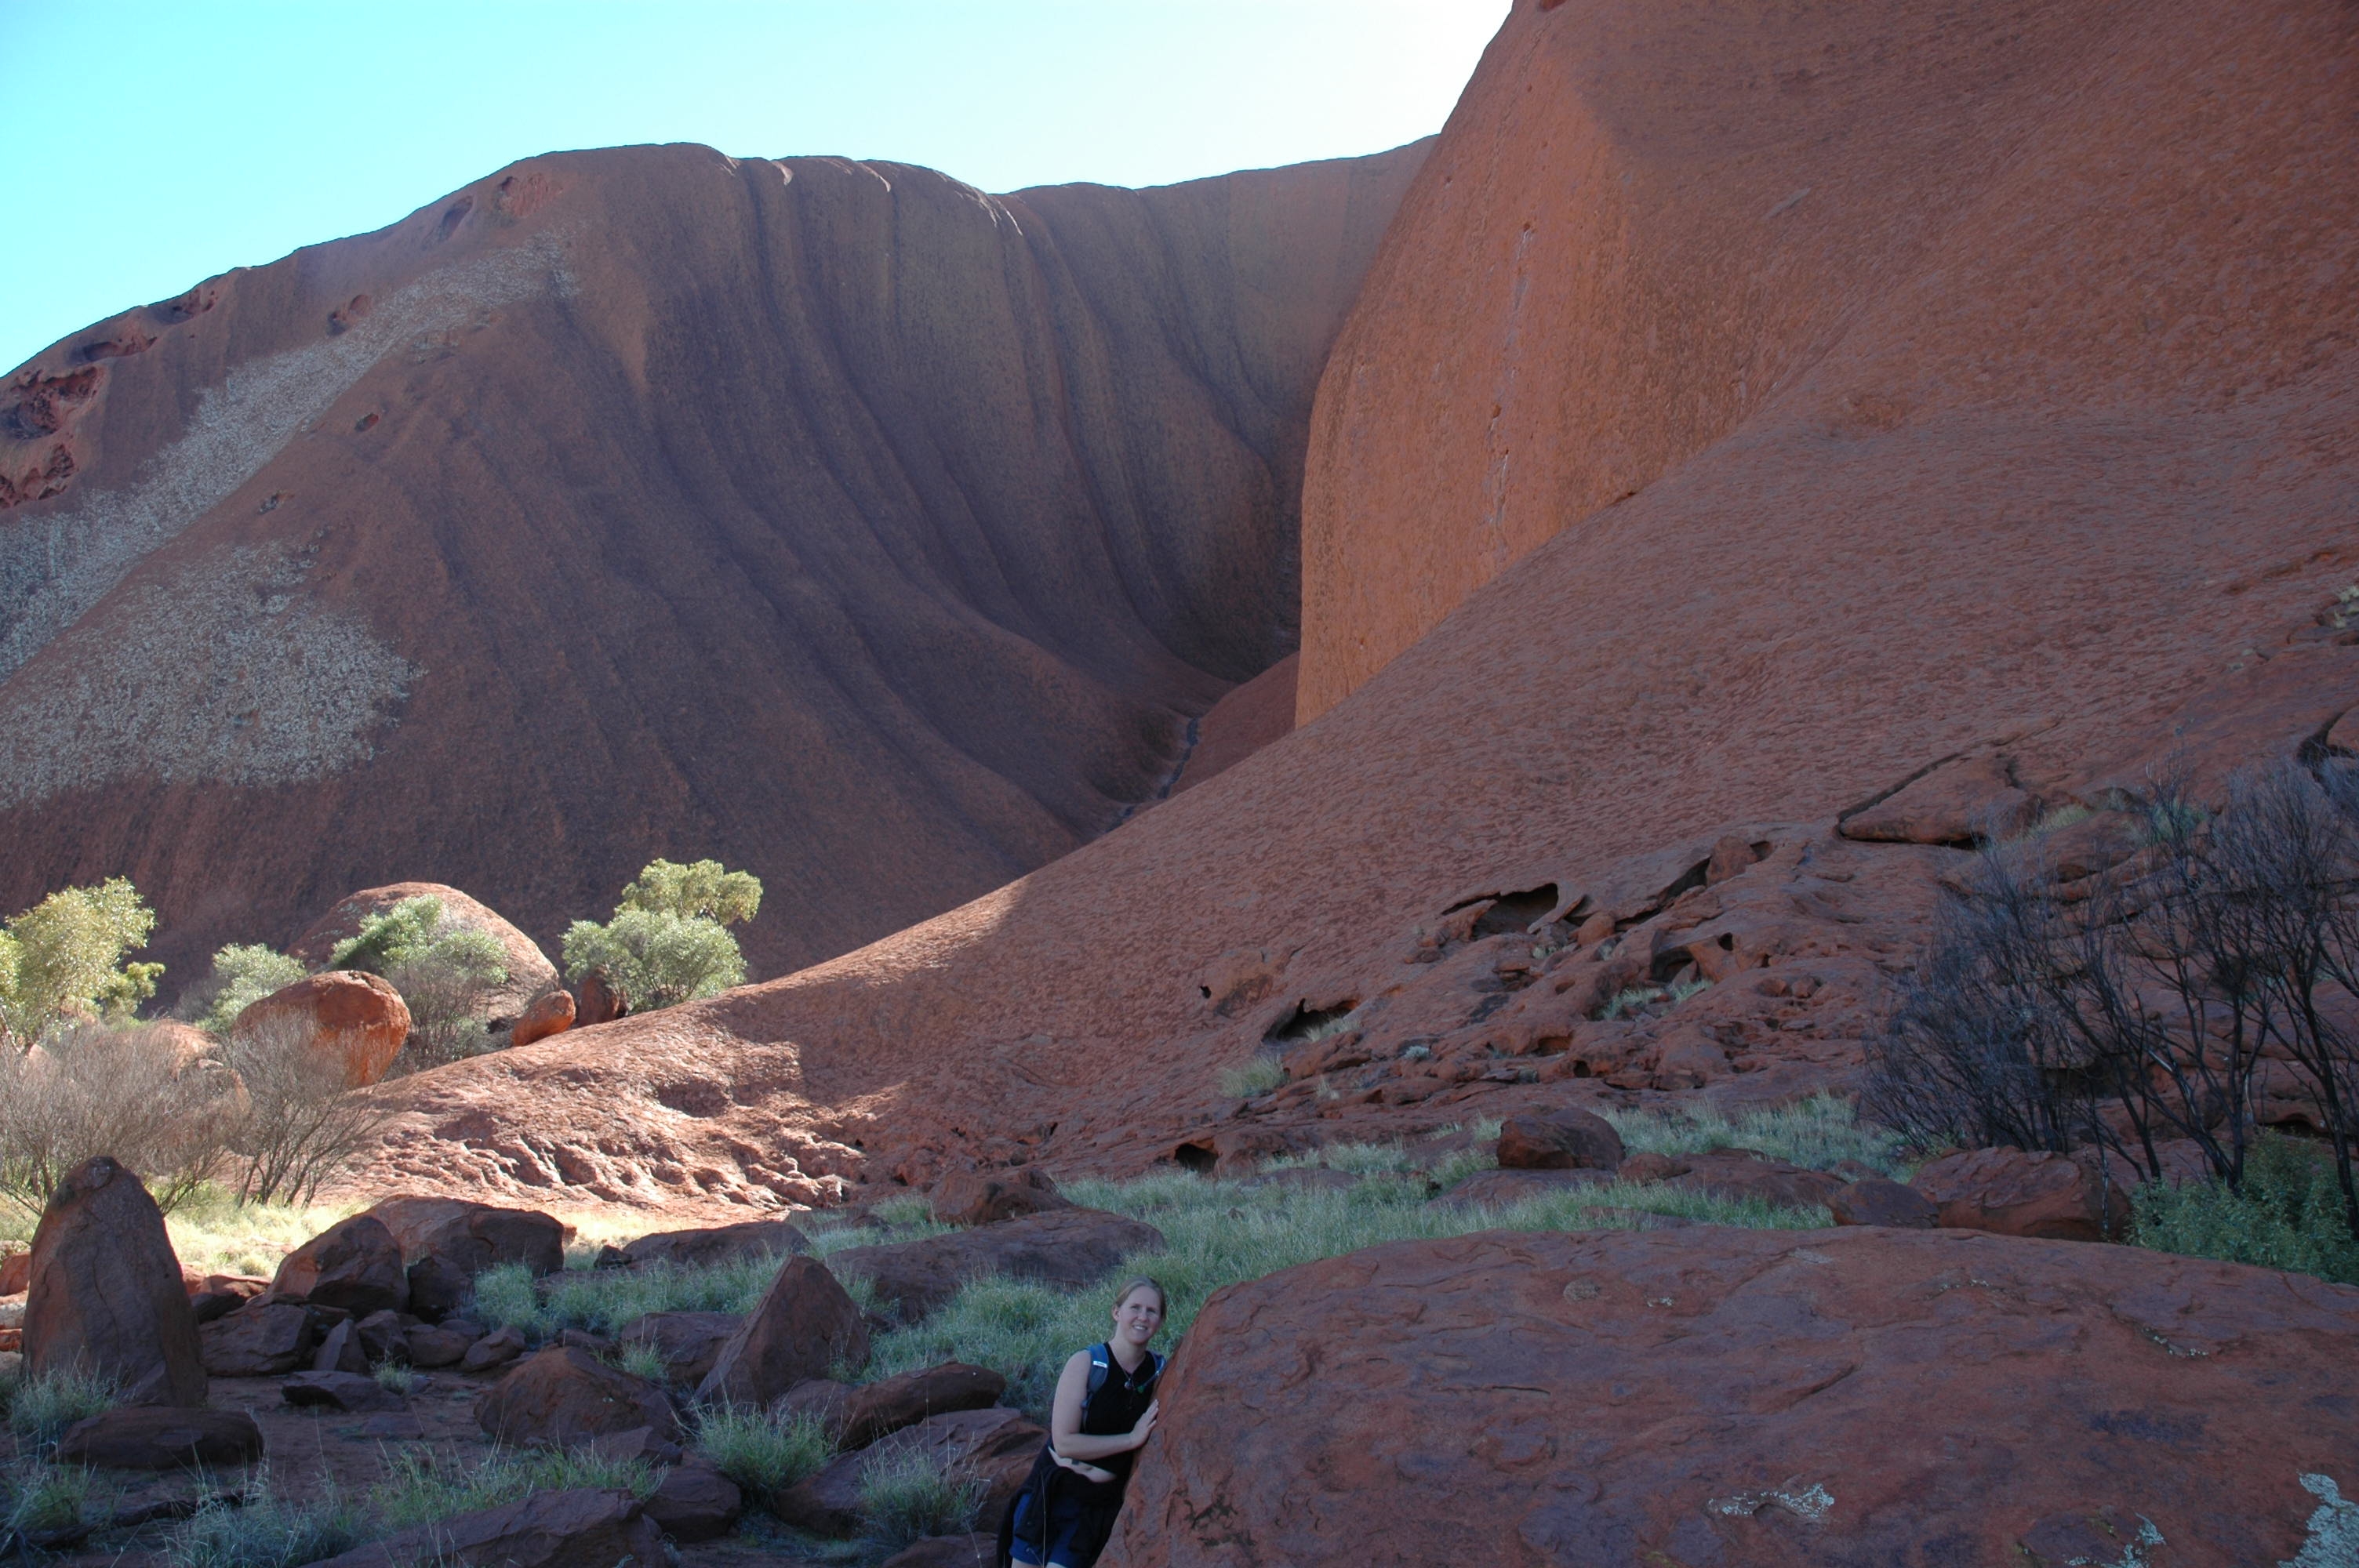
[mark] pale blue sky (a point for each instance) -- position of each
(153, 145)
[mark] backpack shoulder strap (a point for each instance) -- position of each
(1101, 1366)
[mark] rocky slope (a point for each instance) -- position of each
(2046, 469)
(834, 519)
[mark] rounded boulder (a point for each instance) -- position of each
(345, 1014)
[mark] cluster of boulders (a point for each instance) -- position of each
(395, 1284)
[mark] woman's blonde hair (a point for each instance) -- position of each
(1143, 1282)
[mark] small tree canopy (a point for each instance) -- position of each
(65, 954)
(243, 975)
(416, 931)
(657, 958)
(702, 889)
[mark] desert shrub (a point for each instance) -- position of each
(701, 891)
(443, 971)
(762, 1452)
(99, 1088)
(41, 1497)
(421, 1486)
(243, 975)
(2286, 1214)
(906, 1496)
(395, 1376)
(301, 1122)
(261, 1527)
(642, 1361)
(63, 958)
(2139, 1010)
(1257, 1077)
(40, 1409)
(668, 941)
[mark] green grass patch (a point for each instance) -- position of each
(38, 1497)
(40, 1409)
(268, 1531)
(2288, 1214)
(1818, 1133)
(420, 1487)
(604, 1300)
(762, 1452)
(907, 1497)
(1257, 1077)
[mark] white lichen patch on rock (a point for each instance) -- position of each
(55, 569)
(227, 671)
(1810, 1503)
(2332, 1540)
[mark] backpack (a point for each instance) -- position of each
(1101, 1367)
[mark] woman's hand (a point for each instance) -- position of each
(1139, 1434)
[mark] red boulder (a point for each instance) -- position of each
(346, 1014)
(977, 1197)
(548, 1015)
(355, 1264)
(804, 1324)
(1563, 1139)
(106, 1296)
(2012, 1192)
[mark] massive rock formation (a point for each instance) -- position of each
(2060, 473)
(833, 519)
(1725, 1396)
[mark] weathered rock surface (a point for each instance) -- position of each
(339, 1391)
(355, 1264)
(346, 1014)
(874, 1409)
(152, 1437)
(545, 1015)
(341, 1350)
(1558, 1141)
(978, 1197)
(428, 1346)
(972, 502)
(993, 1446)
(1731, 1396)
(1874, 1201)
(803, 1325)
(687, 1342)
(493, 1350)
(695, 1502)
(947, 1551)
(1499, 1189)
(529, 972)
(446, 1242)
(2014, 1193)
(713, 1244)
(561, 1396)
(105, 1297)
(1067, 1247)
(261, 1339)
(587, 1527)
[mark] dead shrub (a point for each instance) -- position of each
(300, 1123)
(97, 1088)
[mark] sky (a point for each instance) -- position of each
(155, 145)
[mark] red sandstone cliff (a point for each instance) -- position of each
(834, 519)
(1982, 377)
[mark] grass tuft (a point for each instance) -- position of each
(907, 1497)
(420, 1487)
(604, 1300)
(399, 1377)
(1257, 1077)
(762, 1453)
(268, 1531)
(40, 1409)
(44, 1496)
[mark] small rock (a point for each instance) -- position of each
(1874, 1200)
(428, 1346)
(550, 1014)
(105, 1294)
(340, 1351)
(346, 1016)
(585, 1528)
(1740, 1174)
(2009, 1192)
(446, 1242)
(497, 1348)
(714, 1244)
(339, 1390)
(355, 1264)
(207, 1305)
(264, 1338)
(562, 1397)
(821, 1398)
(994, 1446)
(874, 1409)
(643, 1444)
(16, 1273)
(582, 1340)
(805, 1324)
(696, 1502)
(601, 1000)
(972, 1197)
(398, 1426)
(153, 1437)
(1651, 1167)
(384, 1333)
(1558, 1141)
(1498, 1189)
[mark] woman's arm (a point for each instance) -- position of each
(1065, 1418)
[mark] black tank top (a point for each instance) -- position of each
(1115, 1408)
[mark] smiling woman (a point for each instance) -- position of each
(286, 127)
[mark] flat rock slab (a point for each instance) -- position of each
(714, 1244)
(1068, 1247)
(586, 1528)
(157, 1437)
(1769, 1398)
(1499, 1189)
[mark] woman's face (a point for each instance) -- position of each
(1139, 1316)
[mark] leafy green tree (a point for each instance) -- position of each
(243, 975)
(667, 942)
(726, 898)
(442, 969)
(63, 958)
